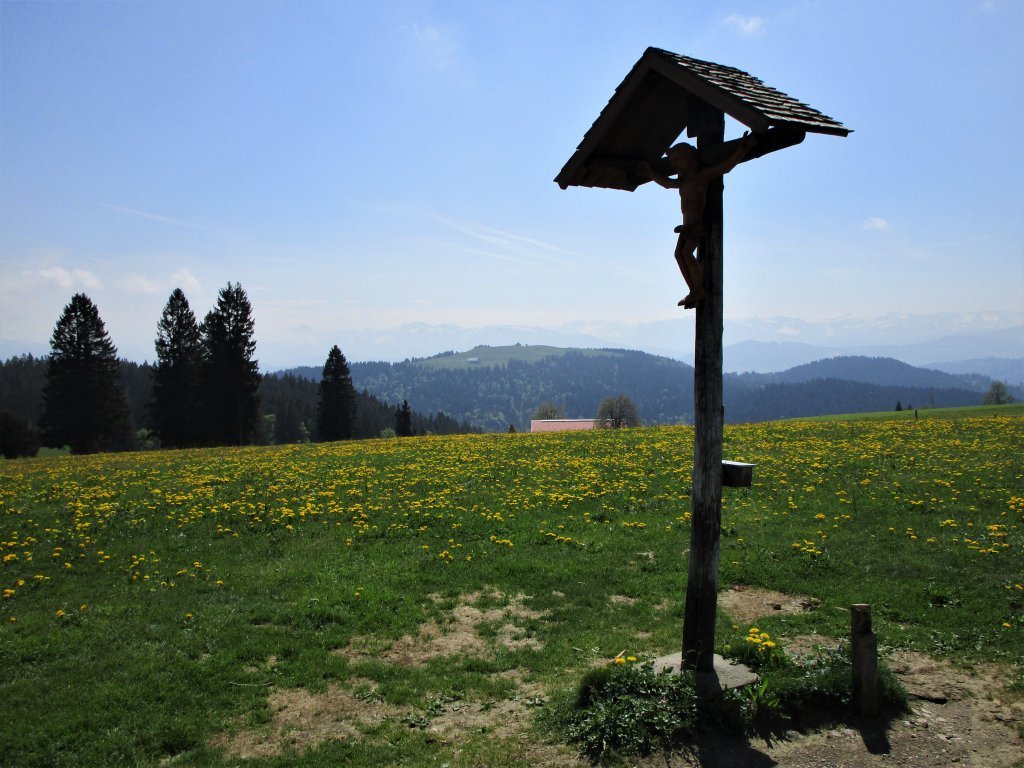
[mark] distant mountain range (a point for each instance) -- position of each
(991, 344)
(999, 354)
(494, 387)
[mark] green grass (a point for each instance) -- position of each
(154, 602)
(966, 412)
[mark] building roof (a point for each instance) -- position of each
(666, 93)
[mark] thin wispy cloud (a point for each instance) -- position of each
(157, 283)
(877, 224)
(519, 248)
(496, 256)
(745, 25)
(136, 283)
(67, 279)
(154, 217)
(186, 281)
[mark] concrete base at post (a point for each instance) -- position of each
(727, 674)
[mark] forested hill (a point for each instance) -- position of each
(873, 370)
(493, 387)
(495, 395)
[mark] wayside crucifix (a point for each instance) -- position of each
(663, 95)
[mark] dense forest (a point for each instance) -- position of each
(287, 404)
(204, 389)
(494, 396)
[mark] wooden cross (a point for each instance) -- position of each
(661, 96)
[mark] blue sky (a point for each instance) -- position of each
(367, 165)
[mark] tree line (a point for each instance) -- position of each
(204, 389)
(578, 381)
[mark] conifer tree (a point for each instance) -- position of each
(229, 377)
(83, 405)
(336, 404)
(403, 420)
(179, 355)
(17, 438)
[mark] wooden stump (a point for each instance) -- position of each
(866, 686)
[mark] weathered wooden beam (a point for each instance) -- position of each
(771, 140)
(706, 501)
(775, 139)
(623, 172)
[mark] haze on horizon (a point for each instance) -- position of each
(359, 169)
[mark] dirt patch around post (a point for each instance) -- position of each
(958, 717)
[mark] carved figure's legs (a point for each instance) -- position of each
(689, 239)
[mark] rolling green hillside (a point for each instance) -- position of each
(967, 412)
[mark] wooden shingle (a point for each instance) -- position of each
(666, 93)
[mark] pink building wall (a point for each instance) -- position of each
(561, 425)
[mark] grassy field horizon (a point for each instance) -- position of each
(160, 608)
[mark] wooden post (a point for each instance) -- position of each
(706, 502)
(866, 687)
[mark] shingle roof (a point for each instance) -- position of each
(666, 93)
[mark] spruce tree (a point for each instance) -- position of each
(83, 405)
(229, 377)
(403, 420)
(179, 355)
(336, 405)
(17, 438)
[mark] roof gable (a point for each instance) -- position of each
(665, 93)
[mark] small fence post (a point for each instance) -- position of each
(864, 653)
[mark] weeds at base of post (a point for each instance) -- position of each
(626, 709)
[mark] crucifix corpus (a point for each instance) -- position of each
(631, 143)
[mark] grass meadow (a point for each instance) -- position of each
(159, 607)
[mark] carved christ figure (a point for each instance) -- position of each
(692, 181)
